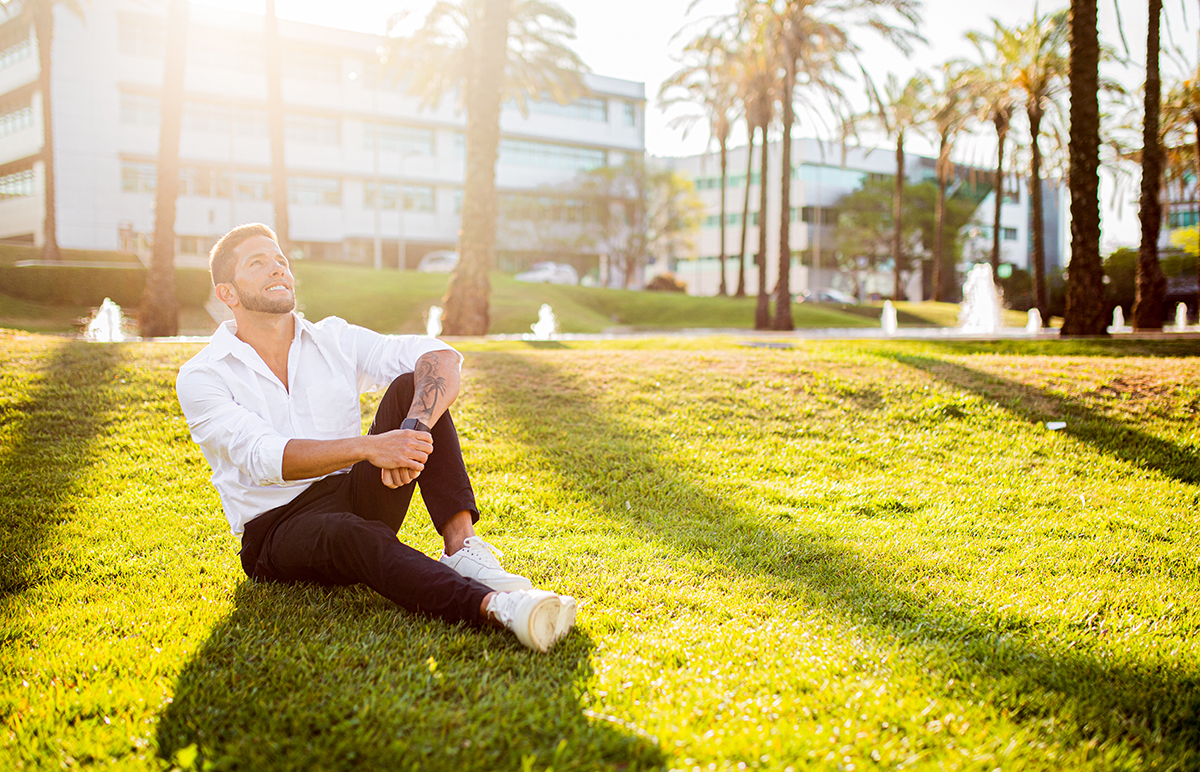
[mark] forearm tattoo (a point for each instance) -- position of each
(430, 387)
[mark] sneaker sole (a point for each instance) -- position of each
(550, 620)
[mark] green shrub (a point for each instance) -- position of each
(666, 282)
(86, 286)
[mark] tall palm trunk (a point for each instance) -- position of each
(741, 286)
(724, 290)
(783, 283)
(466, 300)
(940, 282)
(279, 191)
(1196, 121)
(43, 29)
(1001, 120)
(762, 310)
(1086, 309)
(898, 262)
(160, 309)
(1038, 225)
(1151, 285)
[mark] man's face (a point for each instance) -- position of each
(262, 280)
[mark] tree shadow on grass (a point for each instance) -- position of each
(1148, 709)
(51, 431)
(1093, 347)
(1107, 435)
(305, 677)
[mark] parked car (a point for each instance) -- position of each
(438, 261)
(549, 273)
(831, 296)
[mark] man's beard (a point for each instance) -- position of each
(251, 302)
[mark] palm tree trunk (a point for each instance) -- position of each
(741, 287)
(1038, 226)
(783, 283)
(1196, 120)
(43, 28)
(724, 289)
(279, 191)
(1086, 309)
(898, 221)
(1151, 285)
(1001, 136)
(466, 300)
(762, 310)
(160, 308)
(939, 216)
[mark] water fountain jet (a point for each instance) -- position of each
(106, 325)
(888, 319)
(980, 312)
(546, 327)
(433, 326)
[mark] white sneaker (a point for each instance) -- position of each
(537, 617)
(477, 560)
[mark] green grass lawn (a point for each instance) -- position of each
(834, 556)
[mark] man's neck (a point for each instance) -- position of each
(268, 334)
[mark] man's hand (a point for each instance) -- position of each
(400, 455)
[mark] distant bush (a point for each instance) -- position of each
(666, 282)
(87, 286)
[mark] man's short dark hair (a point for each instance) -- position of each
(220, 260)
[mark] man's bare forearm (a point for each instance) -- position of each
(303, 459)
(436, 381)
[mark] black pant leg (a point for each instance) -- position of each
(444, 483)
(325, 543)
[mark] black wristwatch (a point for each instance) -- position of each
(414, 424)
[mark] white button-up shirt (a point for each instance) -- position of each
(242, 416)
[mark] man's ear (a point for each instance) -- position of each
(226, 294)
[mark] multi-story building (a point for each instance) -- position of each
(372, 175)
(822, 173)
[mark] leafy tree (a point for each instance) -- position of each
(1086, 308)
(160, 308)
(708, 78)
(40, 14)
(486, 51)
(279, 187)
(900, 109)
(1151, 284)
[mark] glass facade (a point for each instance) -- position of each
(138, 177)
(15, 116)
(545, 155)
(395, 138)
(16, 185)
(417, 198)
(14, 50)
(314, 191)
(583, 109)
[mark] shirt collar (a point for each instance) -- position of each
(225, 342)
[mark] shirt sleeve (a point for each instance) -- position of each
(380, 359)
(228, 430)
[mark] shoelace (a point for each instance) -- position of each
(487, 555)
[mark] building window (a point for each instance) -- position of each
(204, 181)
(630, 114)
(1008, 234)
(13, 50)
(194, 245)
(1011, 197)
(16, 116)
(392, 138)
(522, 207)
(312, 66)
(312, 129)
(544, 155)
(252, 186)
(417, 198)
(1182, 219)
(809, 214)
(16, 185)
(138, 177)
(141, 37)
(714, 220)
(829, 176)
(140, 109)
(583, 109)
(217, 49)
(458, 196)
(315, 191)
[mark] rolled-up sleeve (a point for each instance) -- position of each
(228, 430)
(380, 359)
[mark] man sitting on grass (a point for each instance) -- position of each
(273, 402)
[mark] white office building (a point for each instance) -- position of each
(822, 173)
(365, 162)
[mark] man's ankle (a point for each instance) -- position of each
(457, 530)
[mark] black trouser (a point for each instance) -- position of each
(342, 529)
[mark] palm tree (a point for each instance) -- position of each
(1151, 284)
(900, 109)
(1037, 53)
(992, 79)
(40, 14)
(160, 309)
(1086, 308)
(486, 51)
(952, 107)
(279, 189)
(758, 88)
(708, 79)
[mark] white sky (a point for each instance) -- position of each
(636, 40)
